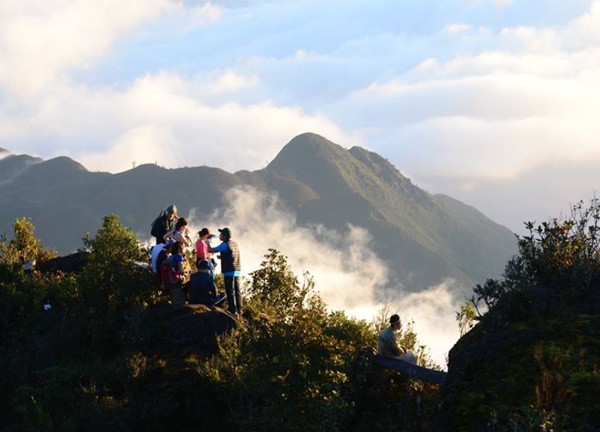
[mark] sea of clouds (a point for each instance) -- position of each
(347, 272)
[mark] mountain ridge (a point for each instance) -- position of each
(422, 238)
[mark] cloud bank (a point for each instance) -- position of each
(347, 273)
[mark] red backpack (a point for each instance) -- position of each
(170, 275)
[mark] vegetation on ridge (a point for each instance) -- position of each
(532, 363)
(100, 358)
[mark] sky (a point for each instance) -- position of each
(493, 102)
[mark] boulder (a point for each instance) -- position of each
(197, 328)
(67, 264)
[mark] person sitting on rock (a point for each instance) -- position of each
(203, 289)
(388, 343)
(160, 253)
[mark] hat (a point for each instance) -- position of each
(226, 232)
(172, 208)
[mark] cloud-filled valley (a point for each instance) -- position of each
(348, 274)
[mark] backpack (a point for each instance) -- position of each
(170, 275)
(155, 232)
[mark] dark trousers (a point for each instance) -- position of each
(234, 297)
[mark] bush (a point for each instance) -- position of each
(560, 256)
(98, 360)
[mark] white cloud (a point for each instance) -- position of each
(348, 275)
(433, 312)
(143, 144)
(41, 40)
(202, 15)
(346, 271)
(219, 83)
(458, 28)
(165, 118)
(501, 3)
(495, 114)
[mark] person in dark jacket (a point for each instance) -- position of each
(231, 269)
(164, 223)
(203, 289)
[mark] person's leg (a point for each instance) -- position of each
(211, 267)
(229, 290)
(409, 357)
(238, 293)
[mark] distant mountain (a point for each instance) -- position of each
(423, 238)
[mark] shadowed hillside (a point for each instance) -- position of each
(532, 362)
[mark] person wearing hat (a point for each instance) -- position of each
(231, 269)
(388, 343)
(164, 223)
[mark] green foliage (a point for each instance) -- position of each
(537, 345)
(111, 277)
(275, 286)
(466, 317)
(24, 246)
(100, 360)
(560, 255)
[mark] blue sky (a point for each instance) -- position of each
(491, 102)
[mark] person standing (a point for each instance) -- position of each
(202, 252)
(231, 269)
(164, 223)
(388, 343)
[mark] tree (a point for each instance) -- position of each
(276, 286)
(112, 276)
(560, 255)
(466, 317)
(24, 246)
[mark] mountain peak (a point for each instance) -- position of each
(313, 160)
(303, 149)
(310, 138)
(64, 162)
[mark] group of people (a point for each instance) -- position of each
(173, 270)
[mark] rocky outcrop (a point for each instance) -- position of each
(197, 328)
(66, 264)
